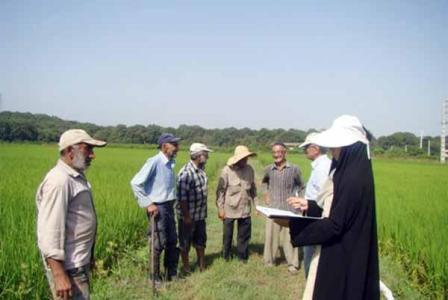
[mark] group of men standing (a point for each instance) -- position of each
(67, 220)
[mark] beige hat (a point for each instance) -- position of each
(309, 139)
(75, 136)
(198, 147)
(240, 153)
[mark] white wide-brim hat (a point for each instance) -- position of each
(240, 153)
(345, 130)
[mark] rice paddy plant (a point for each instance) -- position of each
(411, 200)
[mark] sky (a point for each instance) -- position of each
(256, 64)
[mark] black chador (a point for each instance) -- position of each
(348, 264)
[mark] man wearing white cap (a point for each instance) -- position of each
(235, 194)
(192, 205)
(66, 218)
(320, 169)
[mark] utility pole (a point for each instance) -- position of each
(429, 147)
(421, 139)
(443, 154)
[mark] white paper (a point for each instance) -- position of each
(280, 213)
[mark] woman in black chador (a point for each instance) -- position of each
(345, 266)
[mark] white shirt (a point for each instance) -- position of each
(319, 174)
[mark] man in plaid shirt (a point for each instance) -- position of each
(192, 205)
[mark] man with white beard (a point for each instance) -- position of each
(66, 218)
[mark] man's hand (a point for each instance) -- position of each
(221, 214)
(152, 209)
(187, 220)
(267, 200)
(298, 203)
(62, 285)
(61, 280)
(282, 222)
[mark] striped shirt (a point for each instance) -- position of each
(192, 188)
(282, 184)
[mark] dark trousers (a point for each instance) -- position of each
(165, 239)
(243, 237)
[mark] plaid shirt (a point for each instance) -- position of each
(192, 188)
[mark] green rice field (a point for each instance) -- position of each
(412, 218)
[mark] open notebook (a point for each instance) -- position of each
(275, 213)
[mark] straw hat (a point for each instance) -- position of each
(345, 130)
(240, 153)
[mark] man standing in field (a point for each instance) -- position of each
(66, 218)
(154, 187)
(281, 180)
(192, 205)
(235, 194)
(320, 169)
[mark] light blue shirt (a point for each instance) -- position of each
(155, 182)
(319, 173)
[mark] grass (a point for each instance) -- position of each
(412, 223)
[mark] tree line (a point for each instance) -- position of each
(20, 127)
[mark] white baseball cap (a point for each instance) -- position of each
(75, 136)
(345, 130)
(198, 147)
(309, 139)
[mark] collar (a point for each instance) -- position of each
(165, 159)
(67, 169)
(287, 165)
(193, 165)
(318, 160)
(236, 168)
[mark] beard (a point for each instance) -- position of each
(80, 161)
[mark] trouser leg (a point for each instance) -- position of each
(171, 257)
(227, 237)
(244, 233)
(271, 244)
(291, 253)
(307, 255)
(165, 239)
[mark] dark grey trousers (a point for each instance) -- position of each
(244, 227)
(165, 239)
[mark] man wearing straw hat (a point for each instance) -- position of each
(235, 194)
(66, 218)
